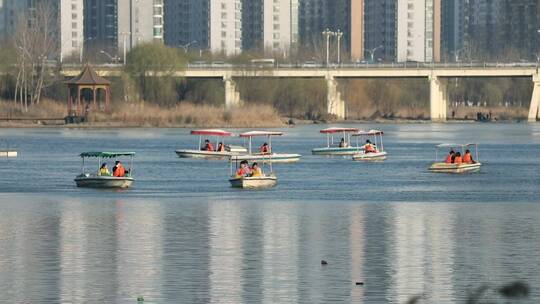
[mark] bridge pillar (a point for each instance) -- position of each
(335, 104)
(535, 99)
(438, 99)
(232, 96)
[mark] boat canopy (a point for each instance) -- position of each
(338, 130)
(370, 132)
(261, 133)
(211, 132)
(106, 154)
(455, 145)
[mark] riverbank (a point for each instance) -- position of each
(189, 115)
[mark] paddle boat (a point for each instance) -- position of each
(268, 155)
(443, 167)
(219, 136)
(96, 180)
(376, 153)
(261, 181)
(7, 152)
(337, 148)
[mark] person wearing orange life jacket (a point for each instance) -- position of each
(265, 149)
(118, 170)
(243, 170)
(450, 157)
(221, 147)
(467, 158)
(458, 160)
(369, 148)
(207, 146)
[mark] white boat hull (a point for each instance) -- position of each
(335, 151)
(267, 181)
(94, 181)
(268, 158)
(8, 154)
(203, 154)
(454, 168)
(378, 156)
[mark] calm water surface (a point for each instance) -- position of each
(182, 235)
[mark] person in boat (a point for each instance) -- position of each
(342, 143)
(103, 170)
(369, 147)
(458, 160)
(244, 169)
(450, 157)
(467, 158)
(207, 146)
(119, 170)
(256, 171)
(220, 147)
(265, 148)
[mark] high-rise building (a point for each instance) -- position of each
(117, 25)
(380, 29)
(454, 22)
(215, 25)
(315, 16)
(68, 28)
(418, 30)
(270, 25)
(357, 29)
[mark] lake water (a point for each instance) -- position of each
(182, 235)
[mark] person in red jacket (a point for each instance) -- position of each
(208, 146)
(119, 170)
(450, 157)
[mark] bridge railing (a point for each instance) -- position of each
(318, 66)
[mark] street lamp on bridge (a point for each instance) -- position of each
(187, 45)
(372, 52)
(328, 33)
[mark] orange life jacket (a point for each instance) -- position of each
(209, 147)
(458, 160)
(369, 148)
(448, 159)
(120, 171)
(221, 148)
(240, 172)
(467, 158)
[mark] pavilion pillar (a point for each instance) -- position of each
(94, 96)
(535, 99)
(78, 101)
(69, 101)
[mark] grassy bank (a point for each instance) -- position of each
(148, 115)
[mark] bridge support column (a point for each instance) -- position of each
(335, 104)
(535, 99)
(232, 96)
(438, 99)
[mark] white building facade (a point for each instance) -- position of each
(418, 30)
(280, 25)
(225, 35)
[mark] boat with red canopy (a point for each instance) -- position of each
(210, 151)
(373, 149)
(342, 147)
(266, 152)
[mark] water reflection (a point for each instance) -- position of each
(83, 250)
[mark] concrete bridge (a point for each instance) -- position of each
(436, 74)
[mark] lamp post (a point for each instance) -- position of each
(187, 45)
(124, 39)
(372, 52)
(81, 53)
(113, 59)
(339, 34)
(327, 33)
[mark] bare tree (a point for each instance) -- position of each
(36, 39)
